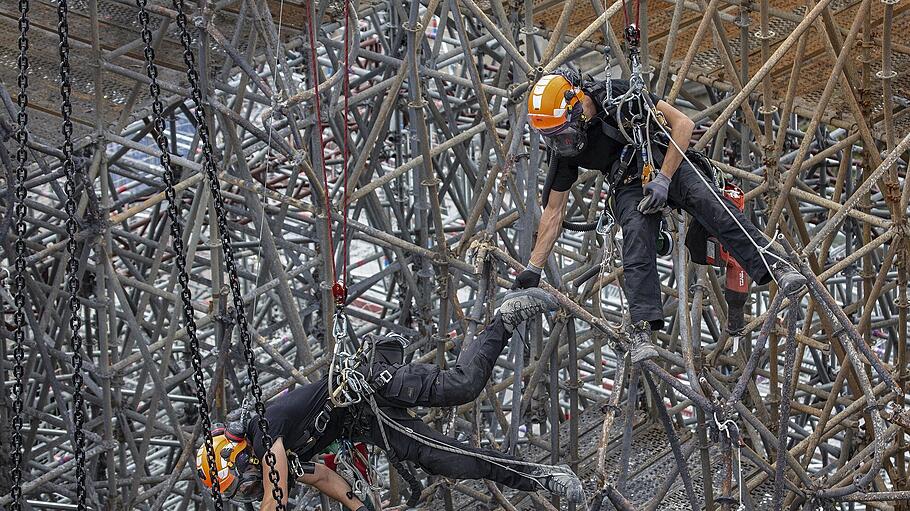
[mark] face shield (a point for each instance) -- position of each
(567, 140)
(249, 485)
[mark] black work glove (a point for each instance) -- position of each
(655, 195)
(527, 278)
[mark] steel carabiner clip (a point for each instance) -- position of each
(340, 328)
(605, 223)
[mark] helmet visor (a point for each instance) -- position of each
(567, 140)
(249, 486)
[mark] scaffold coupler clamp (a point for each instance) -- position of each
(893, 413)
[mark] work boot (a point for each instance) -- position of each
(788, 279)
(641, 347)
(521, 305)
(560, 480)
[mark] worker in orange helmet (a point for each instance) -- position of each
(590, 124)
(304, 422)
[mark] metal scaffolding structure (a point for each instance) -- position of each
(422, 161)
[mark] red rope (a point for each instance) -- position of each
(325, 179)
(345, 151)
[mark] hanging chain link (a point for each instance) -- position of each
(72, 263)
(19, 211)
(208, 165)
(179, 252)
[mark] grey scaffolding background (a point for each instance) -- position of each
(439, 140)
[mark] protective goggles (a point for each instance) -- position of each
(248, 486)
(567, 140)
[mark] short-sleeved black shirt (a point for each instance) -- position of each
(292, 417)
(600, 151)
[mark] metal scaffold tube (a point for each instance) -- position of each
(186, 184)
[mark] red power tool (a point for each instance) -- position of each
(737, 288)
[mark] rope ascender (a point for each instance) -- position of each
(211, 172)
(19, 210)
(72, 250)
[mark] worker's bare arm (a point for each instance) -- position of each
(549, 228)
(681, 128)
(281, 465)
(332, 485)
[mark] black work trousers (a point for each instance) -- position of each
(639, 252)
(419, 384)
(426, 385)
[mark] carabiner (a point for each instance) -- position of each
(340, 328)
(605, 223)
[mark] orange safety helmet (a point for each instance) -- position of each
(232, 456)
(553, 102)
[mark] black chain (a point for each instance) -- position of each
(72, 263)
(179, 253)
(208, 165)
(19, 277)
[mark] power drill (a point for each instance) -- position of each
(737, 284)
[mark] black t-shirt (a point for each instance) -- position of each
(600, 152)
(292, 417)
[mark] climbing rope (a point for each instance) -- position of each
(314, 67)
(385, 420)
(346, 89)
(763, 250)
(72, 250)
(362, 485)
(646, 115)
(19, 210)
(177, 244)
(342, 382)
(211, 172)
(730, 429)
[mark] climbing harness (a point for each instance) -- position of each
(72, 249)
(210, 169)
(635, 116)
(354, 387)
(18, 277)
(176, 233)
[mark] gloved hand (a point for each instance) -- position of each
(527, 278)
(655, 195)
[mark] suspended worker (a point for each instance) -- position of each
(592, 124)
(304, 423)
